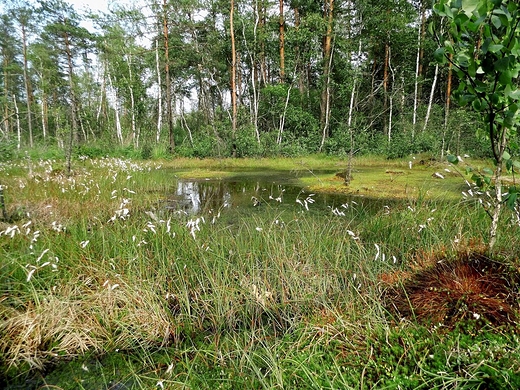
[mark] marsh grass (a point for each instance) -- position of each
(100, 287)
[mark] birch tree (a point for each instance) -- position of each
(23, 16)
(67, 38)
(328, 14)
(485, 54)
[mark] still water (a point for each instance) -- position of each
(199, 197)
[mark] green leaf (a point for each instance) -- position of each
(502, 64)
(515, 94)
(495, 48)
(506, 155)
(452, 159)
(439, 9)
(463, 59)
(505, 77)
(448, 12)
(516, 164)
(487, 171)
(468, 6)
(465, 99)
(439, 55)
(511, 200)
(496, 21)
(477, 105)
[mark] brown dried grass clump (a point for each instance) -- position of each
(69, 323)
(469, 286)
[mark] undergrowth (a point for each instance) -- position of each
(101, 287)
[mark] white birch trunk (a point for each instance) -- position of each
(119, 133)
(348, 174)
(183, 118)
(254, 101)
(135, 136)
(159, 97)
(42, 111)
(282, 117)
(416, 90)
(391, 98)
(18, 127)
(498, 190)
(432, 92)
(103, 92)
(327, 104)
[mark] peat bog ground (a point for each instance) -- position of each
(253, 273)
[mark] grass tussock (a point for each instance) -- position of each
(66, 323)
(450, 289)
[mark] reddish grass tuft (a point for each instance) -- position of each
(449, 290)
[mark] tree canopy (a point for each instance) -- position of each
(280, 77)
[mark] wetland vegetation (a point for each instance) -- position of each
(107, 282)
(246, 195)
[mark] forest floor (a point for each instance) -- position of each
(101, 287)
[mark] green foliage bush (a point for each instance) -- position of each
(146, 152)
(203, 146)
(160, 151)
(90, 150)
(7, 150)
(44, 152)
(293, 147)
(246, 143)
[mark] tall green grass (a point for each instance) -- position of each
(101, 287)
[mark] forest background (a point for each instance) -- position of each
(205, 78)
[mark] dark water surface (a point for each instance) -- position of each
(259, 190)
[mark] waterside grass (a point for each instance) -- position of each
(102, 288)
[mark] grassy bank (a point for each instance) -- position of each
(101, 288)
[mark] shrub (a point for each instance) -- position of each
(7, 150)
(246, 143)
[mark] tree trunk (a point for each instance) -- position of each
(432, 92)
(422, 38)
(7, 126)
(261, 18)
(282, 117)
(348, 174)
(27, 85)
(18, 126)
(281, 28)
(159, 94)
(447, 107)
(499, 156)
(102, 91)
(390, 97)
(74, 128)
(169, 114)
(135, 135)
(327, 62)
(416, 88)
(385, 84)
(300, 69)
(119, 133)
(44, 115)
(233, 74)
(254, 77)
